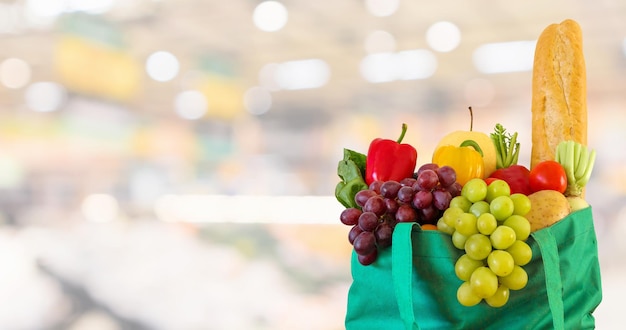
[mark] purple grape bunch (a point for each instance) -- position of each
(421, 198)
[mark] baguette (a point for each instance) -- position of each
(559, 90)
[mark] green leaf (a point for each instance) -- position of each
(358, 158)
(351, 170)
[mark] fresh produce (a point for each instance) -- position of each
(493, 241)
(548, 175)
(390, 160)
(474, 189)
(507, 154)
(381, 205)
(456, 138)
(559, 90)
(516, 176)
(351, 171)
(507, 147)
(466, 159)
(578, 161)
(547, 207)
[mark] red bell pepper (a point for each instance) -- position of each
(516, 176)
(390, 160)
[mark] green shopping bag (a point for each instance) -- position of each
(412, 285)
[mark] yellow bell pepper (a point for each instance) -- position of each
(466, 160)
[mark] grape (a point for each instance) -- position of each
(368, 259)
(517, 280)
(486, 223)
(427, 166)
(427, 180)
(406, 213)
(422, 199)
(408, 182)
(466, 224)
(455, 189)
(500, 262)
(362, 196)
(389, 189)
(500, 298)
(521, 252)
(391, 205)
(375, 186)
(376, 205)
(441, 199)
(447, 176)
(365, 243)
(354, 232)
(461, 202)
(479, 208)
(390, 219)
(458, 240)
(465, 266)
(383, 235)
(350, 216)
(466, 296)
(451, 214)
(475, 190)
(502, 237)
(478, 246)
(405, 194)
(521, 204)
(520, 225)
(484, 282)
(497, 188)
(368, 221)
(429, 214)
(501, 207)
(443, 227)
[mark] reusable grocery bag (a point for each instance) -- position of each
(412, 284)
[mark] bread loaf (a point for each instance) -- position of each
(559, 90)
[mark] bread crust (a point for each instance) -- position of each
(559, 90)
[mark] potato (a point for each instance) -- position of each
(547, 207)
(577, 203)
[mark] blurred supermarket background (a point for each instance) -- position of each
(170, 164)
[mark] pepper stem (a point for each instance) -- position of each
(473, 144)
(404, 128)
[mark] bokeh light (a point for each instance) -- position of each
(302, 74)
(100, 208)
(45, 8)
(511, 56)
(191, 105)
(443, 36)
(380, 41)
(257, 100)
(162, 66)
(382, 8)
(45, 96)
(404, 65)
(14, 73)
(270, 16)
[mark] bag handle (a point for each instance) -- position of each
(402, 273)
(552, 268)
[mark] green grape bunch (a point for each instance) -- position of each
(487, 222)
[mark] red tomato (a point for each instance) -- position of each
(488, 181)
(548, 175)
